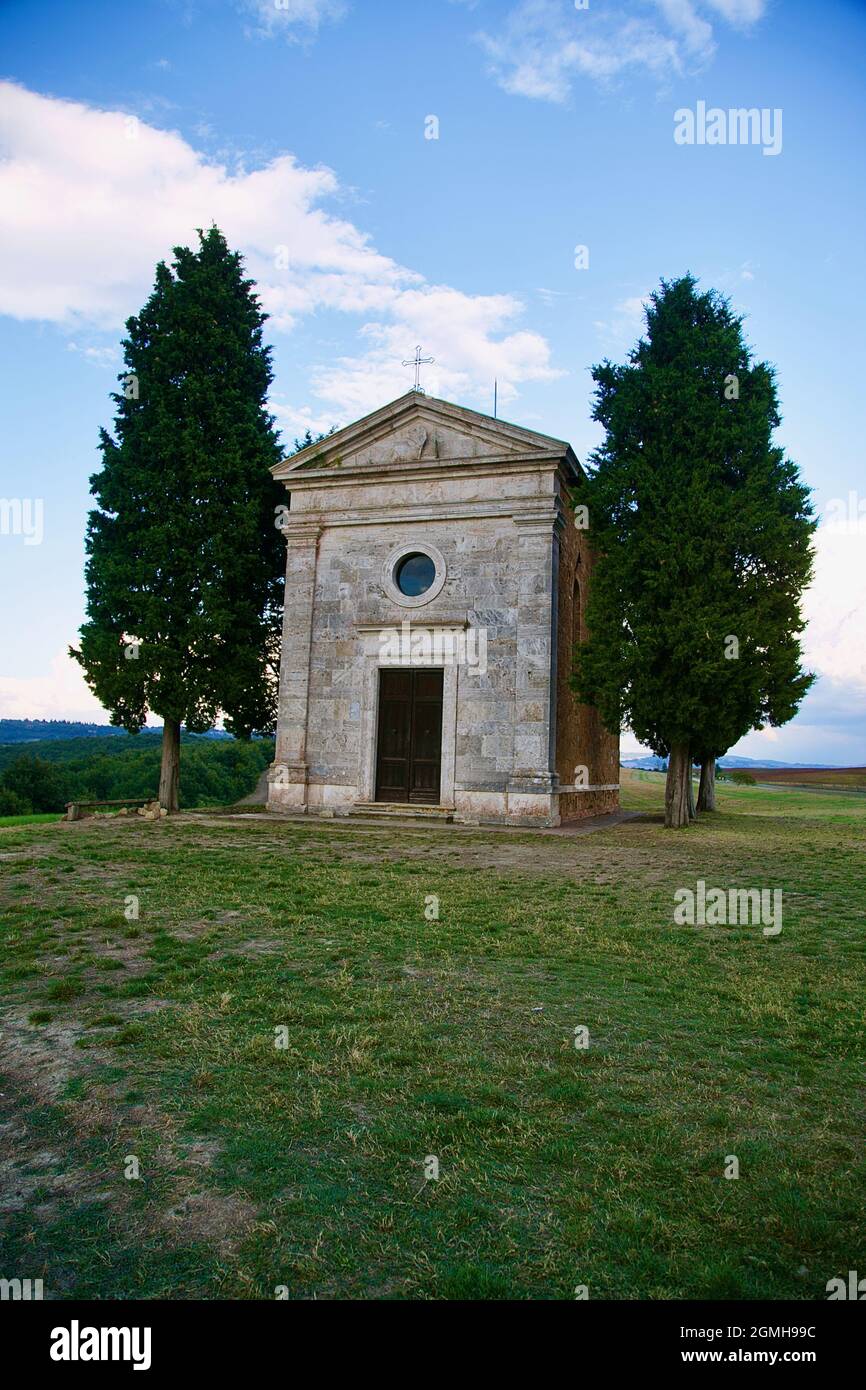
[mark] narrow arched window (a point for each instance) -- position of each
(576, 626)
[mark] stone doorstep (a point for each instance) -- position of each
(360, 815)
(389, 810)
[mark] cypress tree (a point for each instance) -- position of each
(185, 564)
(702, 529)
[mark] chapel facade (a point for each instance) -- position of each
(436, 585)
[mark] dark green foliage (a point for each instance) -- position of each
(13, 803)
(183, 553)
(702, 530)
(310, 438)
(36, 785)
(305, 442)
(217, 772)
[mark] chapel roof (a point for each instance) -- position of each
(417, 428)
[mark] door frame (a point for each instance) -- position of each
(433, 762)
(369, 715)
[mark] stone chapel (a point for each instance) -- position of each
(435, 589)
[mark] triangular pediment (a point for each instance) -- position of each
(420, 429)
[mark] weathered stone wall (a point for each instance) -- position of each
(481, 590)
(494, 533)
(581, 741)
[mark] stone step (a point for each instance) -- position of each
(396, 810)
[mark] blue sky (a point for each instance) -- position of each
(302, 131)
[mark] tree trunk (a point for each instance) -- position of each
(677, 787)
(707, 789)
(169, 771)
(690, 788)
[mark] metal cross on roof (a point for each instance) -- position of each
(417, 361)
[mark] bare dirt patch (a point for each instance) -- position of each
(255, 946)
(33, 1177)
(126, 953)
(44, 1057)
(201, 1153)
(37, 851)
(212, 1216)
(192, 931)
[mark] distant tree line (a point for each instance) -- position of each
(46, 777)
(36, 730)
(30, 730)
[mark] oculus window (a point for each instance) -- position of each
(414, 574)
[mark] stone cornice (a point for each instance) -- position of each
(539, 519)
(459, 624)
(301, 532)
(422, 470)
(420, 513)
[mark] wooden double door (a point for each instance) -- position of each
(409, 742)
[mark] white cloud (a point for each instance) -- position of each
(99, 356)
(835, 609)
(620, 332)
(295, 420)
(543, 45)
(61, 693)
(285, 16)
(830, 726)
(540, 50)
(739, 11)
(462, 332)
(683, 19)
(124, 193)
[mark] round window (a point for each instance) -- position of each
(414, 574)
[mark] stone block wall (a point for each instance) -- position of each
(481, 591)
(581, 741)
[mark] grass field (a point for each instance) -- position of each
(302, 1167)
(38, 818)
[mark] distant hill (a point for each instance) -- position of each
(653, 764)
(36, 730)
